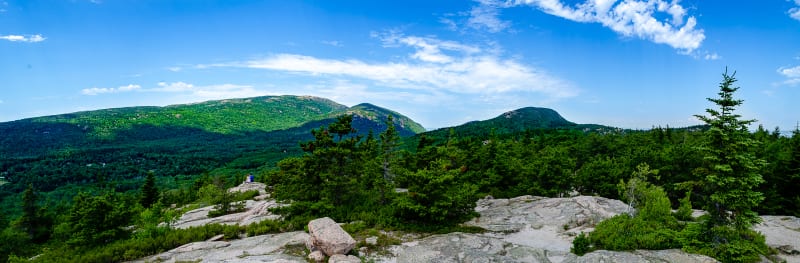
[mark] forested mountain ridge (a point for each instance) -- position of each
(514, 122)
(187, 139)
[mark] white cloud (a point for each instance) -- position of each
(486, 16)
(792, 74)
(97, 91)
(189, 92)
(334, 43)
(795, 11)
(631, 18)
(173, 87)
(712, 56)
(24, 38)
(434, 66)
(174, 69)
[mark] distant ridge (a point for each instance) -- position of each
(236, 135)
(515, 121)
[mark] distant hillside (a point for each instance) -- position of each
(125, 143)
(511, 123)
(514, 121)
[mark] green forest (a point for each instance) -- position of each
(102, 200)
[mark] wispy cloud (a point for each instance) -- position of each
(712, 56)
(792, 75)
(795, 11)
(96, 91)
(659, 21)
(486, 16)
(24, 38)
(3, 6)
(434, 66)
(334, 43)
(175, 69)
(189, 91)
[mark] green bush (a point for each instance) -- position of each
(623, 232)
(724, 243)
(685, 209)
(581, 245)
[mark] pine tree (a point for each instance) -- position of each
(30, 212)
(149, 191)
(732, 172)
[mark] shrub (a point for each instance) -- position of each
(581, 245)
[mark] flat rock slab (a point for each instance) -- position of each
(782, 233)
(643, 256)
(255, 211)
(244, 187)
(540, 222)
(263, 248)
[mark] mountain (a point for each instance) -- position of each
(242, 135)
(515, 121)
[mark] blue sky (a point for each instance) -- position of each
(628, 63)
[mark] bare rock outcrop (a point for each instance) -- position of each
(255, 210)
(329, 237)
(263, 248)
(644, 256)
(250, 186)
(521, 229)
(783, 234)
(540, 222)
(338, 258)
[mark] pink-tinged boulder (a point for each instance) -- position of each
(329, 237)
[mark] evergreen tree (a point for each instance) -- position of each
(388, 146)
(149, 191)
(33, 222)
(731, 173)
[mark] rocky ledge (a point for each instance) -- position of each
(521, 229)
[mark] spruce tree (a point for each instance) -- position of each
(732, 171)
(149, 191)
(30, 212)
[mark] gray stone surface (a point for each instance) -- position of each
(548, 223)
(264, 248)
(461, 247)
(244, 187)
(782, 233)
(255, 211)
(644, 256)
(316, 256)
(329, 237)
(522, 229)
(338, 258)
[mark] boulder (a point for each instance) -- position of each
(329, 237)
(339, 258)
